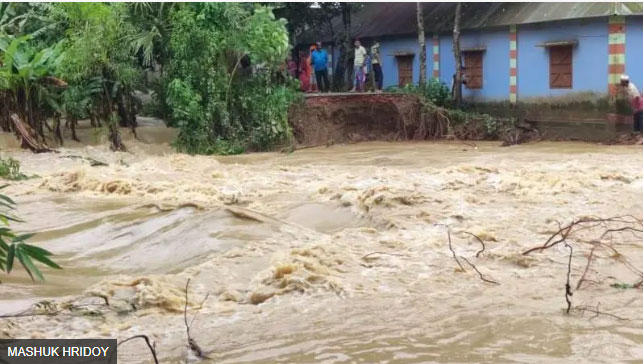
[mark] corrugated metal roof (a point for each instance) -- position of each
(391, 19)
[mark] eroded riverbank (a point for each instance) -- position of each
(280, 242)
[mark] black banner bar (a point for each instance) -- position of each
(58, 351)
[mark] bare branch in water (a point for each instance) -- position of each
(481, 243)
(453, 251)
(596, 312)
(384, 253)
(608, 227)
(568, 287)
(196, 349)
(152, 347)
(477, 271)
(589, 262)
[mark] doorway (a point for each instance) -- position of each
(404, 69)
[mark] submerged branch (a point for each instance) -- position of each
(453, 251)
(477, 271)
(194, 347)
(152, 347)
(607, 228)
(384, 253)
(568, 287)
(479, 240)
(596, 312)
(589, 262)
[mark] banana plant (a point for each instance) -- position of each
(14, 248)
(76, 102)
(25, 74)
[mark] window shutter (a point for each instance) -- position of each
(473, 69)
(560, 67)
(405, 70)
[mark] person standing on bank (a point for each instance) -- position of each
(358, 66)
(635, 100)
(304, 72)
(377, 66)
(320, 64)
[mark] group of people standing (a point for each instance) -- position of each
(365, 64)
(316, 61)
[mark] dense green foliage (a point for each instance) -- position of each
(100, 65)
(13, 247)
(215, 69)
(223, 81)
(67, 60)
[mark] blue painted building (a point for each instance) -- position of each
(512, 52)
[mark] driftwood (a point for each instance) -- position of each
(28, 135)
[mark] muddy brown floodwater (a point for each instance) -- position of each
(281, 244)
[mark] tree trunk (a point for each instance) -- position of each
(95, 120)
(126, 112)
(28, 135)
(73, 122)
(333, 61)
(123, 114)
(343, 73)
(422, 42)
(457, 84)
(116, 143)
(57, 134)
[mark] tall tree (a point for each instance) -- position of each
(342, 72)
(151, 39)
(457, 84)
(422, 42)
(96, 51)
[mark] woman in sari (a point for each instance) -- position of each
(304, 72)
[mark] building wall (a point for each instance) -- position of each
(634, 49)
(589, 57)
(388, 48)
(495, 63)
(589, 63)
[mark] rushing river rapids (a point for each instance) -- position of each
(332, 255)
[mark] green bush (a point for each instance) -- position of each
(433, 90)
(10, 169)
(438, 92)
(478, 126)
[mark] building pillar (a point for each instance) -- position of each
(616, 67)
(436, 56)
(513, 64)
(616, 53)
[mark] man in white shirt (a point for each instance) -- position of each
(634, 97)
(358, 67)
